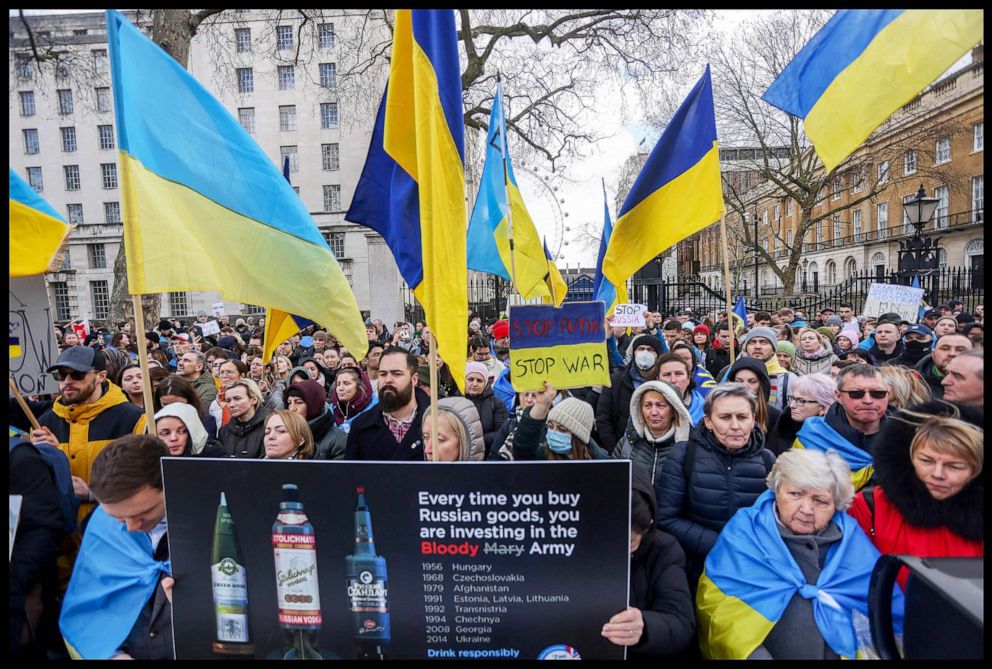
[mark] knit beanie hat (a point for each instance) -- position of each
(786, 347)
(312, 394)
(828, 332)
(701, 328)
(764, 333)
(852, 333)
(835, 320)
(501, 329)
(575, 416)
(646, 340)
(478, 368)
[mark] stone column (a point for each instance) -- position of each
(384, 281)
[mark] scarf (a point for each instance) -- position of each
(773, 366)
(817, 434)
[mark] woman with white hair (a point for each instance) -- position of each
(809, 396)
(787, 575)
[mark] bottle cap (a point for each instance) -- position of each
(223, 499)
(291, 492)
(360, 490)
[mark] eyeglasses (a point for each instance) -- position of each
(792, 399)
(63, 375)
(858, 394)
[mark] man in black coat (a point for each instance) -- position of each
(391, 430)
(613, 408)
(718, 355)
(933, 368)
(917, 340)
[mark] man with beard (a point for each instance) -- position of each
(391, 429)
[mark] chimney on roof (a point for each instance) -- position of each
(978, 53)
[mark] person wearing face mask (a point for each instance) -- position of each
(613, 407)
(720, 469)
(492, 411)
(560, 433)
(811, 395)
(918, 345)
(178, 425)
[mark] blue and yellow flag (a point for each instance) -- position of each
(833, 82)
(750, 577)
(677, 193)
(280, 326)
(204, 207)
(494, 220)
(37, 231)
(602, 289)
(412, 189)
(816, 434)
(557, 288)
(740, 309)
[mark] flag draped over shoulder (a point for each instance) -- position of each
(489, 229)
(677, 193)
(602, 289)
(204, 207)
(816, 434)
(555, 283)
(37, 231)
(412, 189)
(833, 82)
(750, 577)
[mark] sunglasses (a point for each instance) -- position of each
(62, 375)
(858, 394)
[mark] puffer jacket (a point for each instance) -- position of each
(821, 362)
(721, 482)
(329, 441)
(466, 412)
(83, 430)
(244, 439)
(636, 444)
(492, 413)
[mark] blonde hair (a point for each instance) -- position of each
(951, 436)
(906, 386)
(250, 387)
(454, 423)
(297, 428)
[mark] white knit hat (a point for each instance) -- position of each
(575, 416)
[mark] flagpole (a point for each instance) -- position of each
(146, 377)
(24, 405)
(432, 360)
(726, 282)
(506, 191)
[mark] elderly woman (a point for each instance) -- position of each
(459, 432)
(721, 468)
(809, 396)
(563, 432)
(785, 351)
(788, 574)
(815, 354)
(929, 497)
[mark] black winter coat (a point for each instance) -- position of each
(328, 439)
(244, 440)
(613, 408)
(649, 457)
(529, 442)
(928, 371)
(783, 434)
(492, 413)
(722, 481)
(370, 438)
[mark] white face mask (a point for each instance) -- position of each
(645, 360)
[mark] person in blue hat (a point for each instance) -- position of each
(917, 344)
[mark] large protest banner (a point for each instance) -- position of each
(32, 340)
(276, 559)
(886, 298)
(565, 346)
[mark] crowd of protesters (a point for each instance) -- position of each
(822, 427)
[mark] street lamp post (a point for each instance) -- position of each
(918, 255)
(757, 288)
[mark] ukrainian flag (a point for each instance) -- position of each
(412, 189)
(556, 285)
(489, 230)
(677, 193)
(601, 288)
(816, 434)
(204, 207)
(835, 83)
(37, 231)
(280, 326)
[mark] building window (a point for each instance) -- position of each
(882, 219)
(242, 37)
(100, 295)
(246, 80)
(98, 256)
(835, 188)
(81, 32)
(978, 196)
(27, 103)
(178, 304)
(61, 69)
(284, 38)
(940, 215)
(883, 173)
(836, 226)
(287, 118)
(112, 212)
(326, 34)
(246, 117)
(858, 178)
(68, 139)
(831, 270)
(788, 238)
(100, 61)
(788, 207)
(103, 100)
(979, 142)
(294, 158)
(850, 267)
(254, 310)
(942, 258)
(856, 224)
(35, 180)
(24, 69)
(106, 136)
(329, 75)
(336, 241)
(71, 177)
(942, 152)
(109, 173)
(332, 198)
(75, 213)
(819, 232)
(330, 156)
(65, 100)
(909, 162)
(328, 115)
(31, 144)
(287, 77)
(60, 291)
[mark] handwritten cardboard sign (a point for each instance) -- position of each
(565, 347)
(32, 340)
(889, 297)
(210, 328)
(629, 315)
(218, 309)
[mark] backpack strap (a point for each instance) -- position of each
(768, 459)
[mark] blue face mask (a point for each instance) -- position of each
(559, 442)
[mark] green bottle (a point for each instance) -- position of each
(229, 581)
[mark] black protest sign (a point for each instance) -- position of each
(396, 560)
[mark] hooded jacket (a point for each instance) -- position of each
(879, 358)
(928, 370)
(465, 412)
(659, 588)
(370, 438)
(199, 441)
(244, 439)
(329, 441)
(760, 370)
(492, 414)
(613, 407)
(910, 358)
(646, 453)
(907, 519)
(364, 398)
(83, 430)
(327, 373)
